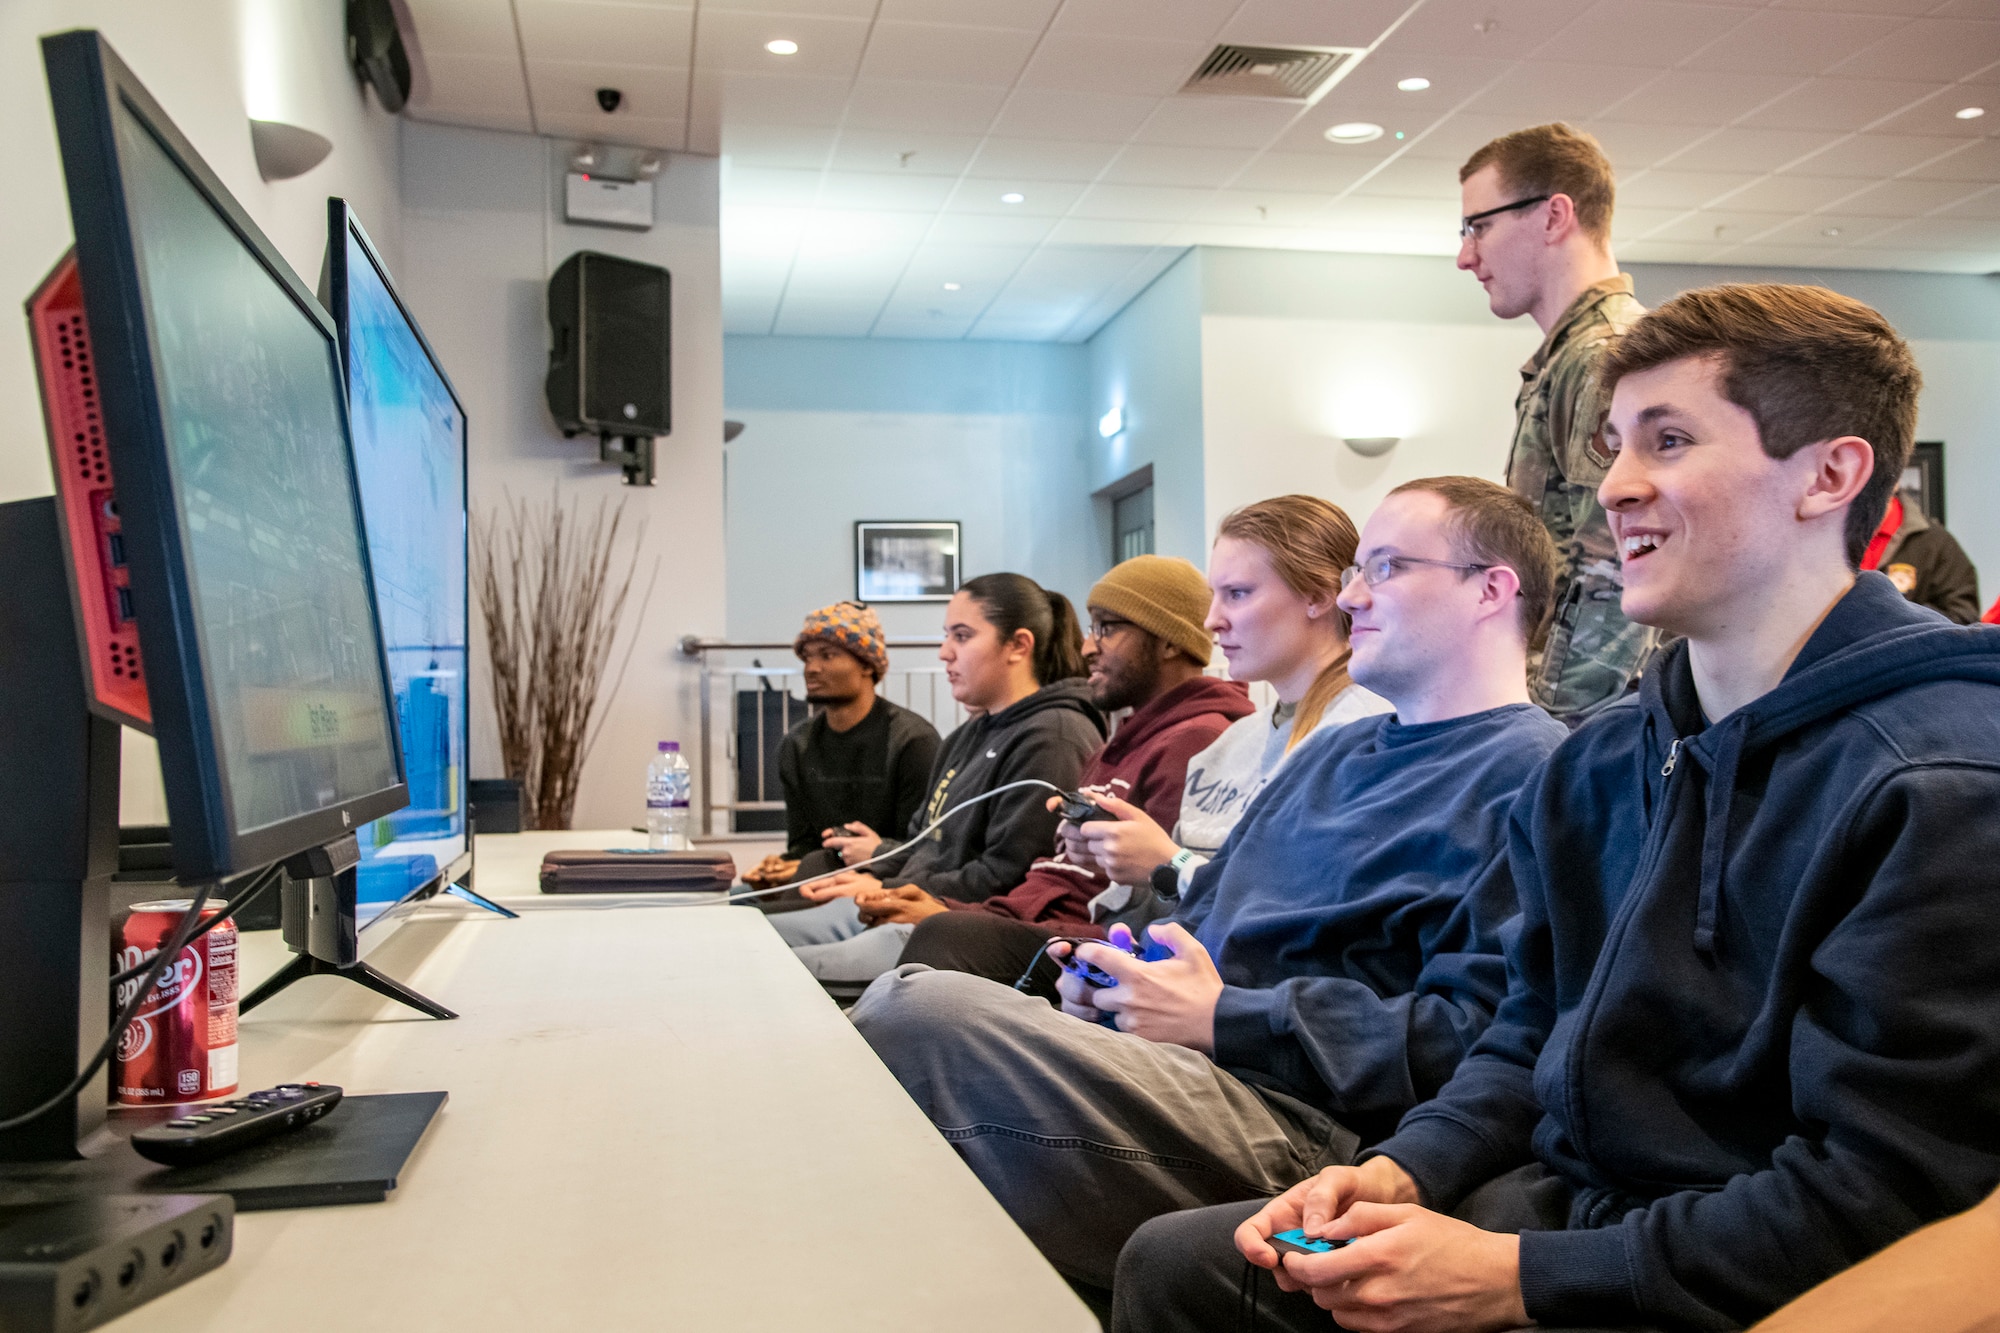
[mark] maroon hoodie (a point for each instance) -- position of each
(1144, 763)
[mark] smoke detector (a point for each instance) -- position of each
(1297, 74)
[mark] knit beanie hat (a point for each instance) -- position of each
(850, 626)
(1163, 595)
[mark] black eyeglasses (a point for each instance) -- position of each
(1468, 226)
(1103, 627)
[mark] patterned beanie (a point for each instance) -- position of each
(850, 626)
(1165, 596)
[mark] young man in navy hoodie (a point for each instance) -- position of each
(1752, 1030)
(1331, 966)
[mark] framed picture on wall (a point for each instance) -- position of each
(905, 562)
(1925, 476)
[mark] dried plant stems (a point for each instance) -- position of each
(546, 589)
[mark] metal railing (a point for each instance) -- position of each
(738, 773)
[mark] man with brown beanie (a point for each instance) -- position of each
(859, 759)
(1537, 235)
(1148, 649)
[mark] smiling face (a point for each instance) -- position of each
(1261, 625)
(1413, 628)
(1508, 254)
(1702, 516)
(981, 666)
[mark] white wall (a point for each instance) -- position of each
(482, 231)
(843, 429)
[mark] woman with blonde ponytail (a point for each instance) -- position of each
(1275, 572)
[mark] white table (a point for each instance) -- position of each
(657, 1120)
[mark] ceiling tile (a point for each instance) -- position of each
(753, 234)
(988, 229)
(1301, 171)
(1984, 205)
(1680, 189)
(1776, 42)
(1845, 228)
(1458, 136)
(1265, 208)
(1308, 135)
(1972, 162)
(1171, 20)
(769, 99)
(1669, 252)
(1718, 225)
(484, 86)
(1101, 231)
(1929, 49)
(1055, 113)
(1633, 146)
(1311, 22)
(1413, 178)
(1155, 164)
(1133, 66)
(1640, 32)
(635, 131)
(898, 192)
(1872, 155)
(1792, 194)
(1700, 97)
(799, 318)
(1473, 30)
(1041, 199)
(1042, 159)
(1630, 223)
(1548, 91)
(829, 47)
(464, 27)
(1938, 115)
(940, 324)
(1736, 149)
(1142, 203)
(860, 240)
(845, 9)
(589, 31)
(1216, 122)
(1836, 104)
(1909, 198)
(778, 145)
(906, 153)
(1032, 15)
(771, 187)
(569, 89)
(976, 268)
(1971, 234)
(941, 108)
(943, 54)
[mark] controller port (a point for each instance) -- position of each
(171, 1252)
(85, 1290)
(116, 542)
(124, 606)
(211, 1232)
(128, 1272)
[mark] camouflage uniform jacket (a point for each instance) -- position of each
(1556, 462)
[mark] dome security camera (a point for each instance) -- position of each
(609, 98)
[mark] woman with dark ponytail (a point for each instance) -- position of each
(1013, 652)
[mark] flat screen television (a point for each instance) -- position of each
(409, 433)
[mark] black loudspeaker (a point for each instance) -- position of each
(608, 368)
(376, 51)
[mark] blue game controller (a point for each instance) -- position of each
(1296, 1241)
(1152, 951)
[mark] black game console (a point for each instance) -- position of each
(76, 1264)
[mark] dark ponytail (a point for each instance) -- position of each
(1015, 602)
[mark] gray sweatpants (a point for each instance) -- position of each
(1082, 1132)
(833, 944)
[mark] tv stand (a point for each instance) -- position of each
(466, 892)
(305, 965)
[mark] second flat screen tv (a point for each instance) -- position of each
(409, 457)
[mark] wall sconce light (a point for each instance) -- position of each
(284, 151)
(1372, 446)
(1111, 422)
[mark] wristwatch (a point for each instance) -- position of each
(1183, 864)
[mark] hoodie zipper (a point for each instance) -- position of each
(1673, 758)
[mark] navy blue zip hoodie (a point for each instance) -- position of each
(1753, 1014)
(1358, 966)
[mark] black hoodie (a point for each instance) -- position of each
(1049, 735)
(1753, 1013)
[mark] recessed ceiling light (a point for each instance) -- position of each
(783, 46)
(1354, 131)
(1013, 197)
(1415, 85)
(1971, 112)
(1829, 231)
(951, 286)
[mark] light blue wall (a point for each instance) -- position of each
(1147, 363)
(838, 430)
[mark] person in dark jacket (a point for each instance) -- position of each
(1752, 1028)
(1147, 652)
(859, 759)
(1925, 562)
(1329, 967)
(1013, 653)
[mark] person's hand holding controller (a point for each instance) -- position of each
(854, 841)
(1127, 848)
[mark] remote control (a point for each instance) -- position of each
(1296, 1241)
(1080, 809)
(208, 1132)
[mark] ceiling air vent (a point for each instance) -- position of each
(1274, 73)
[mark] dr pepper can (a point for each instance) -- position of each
(181, 1044)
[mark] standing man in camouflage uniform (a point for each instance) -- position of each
(1537, 235)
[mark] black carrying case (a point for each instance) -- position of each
(637, 872)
